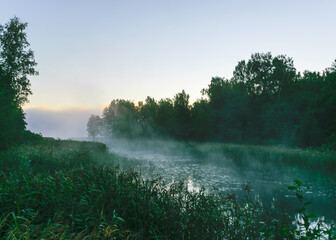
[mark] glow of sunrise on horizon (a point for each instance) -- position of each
(89, 53)
(62, 109)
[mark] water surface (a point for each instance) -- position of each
(213, 170)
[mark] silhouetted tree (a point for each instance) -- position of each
(265, 74)
(166, 118)
(202, 124)
(266, 101)
(229, 105)
(332, 68)
(182, 115)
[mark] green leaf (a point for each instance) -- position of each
(300, 210)
(311, 215)
(298, 182)
(299, 196)
(292, 188)
(308, 203)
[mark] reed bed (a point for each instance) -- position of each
(322, 162)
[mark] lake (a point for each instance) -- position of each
(201, 165)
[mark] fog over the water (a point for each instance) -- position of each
(66, 123)
(209, 165)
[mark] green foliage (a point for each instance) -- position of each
(229, 106)
(200, 113)
(16, 64)
(17, 61)
(148, 116)
(316, 161)
(308, 225)
(266, 102)
(120, 119)
(94, 126)
(12, 125)
(123, 119)
(60, 190)
(182, 116)
(165, 117)
(264, 74)
(43, 193)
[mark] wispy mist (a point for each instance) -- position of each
(66, 123)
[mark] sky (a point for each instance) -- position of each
(91, 52)
(62, 123)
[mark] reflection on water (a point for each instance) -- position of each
(175, 161)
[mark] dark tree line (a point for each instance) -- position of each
(16, 64)
(266, 101)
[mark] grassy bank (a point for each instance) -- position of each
(316, 161)
(71, 190)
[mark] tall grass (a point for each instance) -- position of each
(69, 190)
(316, 161)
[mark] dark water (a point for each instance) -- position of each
(268, 183)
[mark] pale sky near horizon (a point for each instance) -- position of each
(90, 52)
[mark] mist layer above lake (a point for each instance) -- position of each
(205, 165)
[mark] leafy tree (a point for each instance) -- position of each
(17, 61)
(16, 64)
(332, 68)
(120, 119)
(266, 101)
(202, 127)
(265, 74)
(182, 115)
(94, 126)
(165, 118)
(148, 116)
(215, 91)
